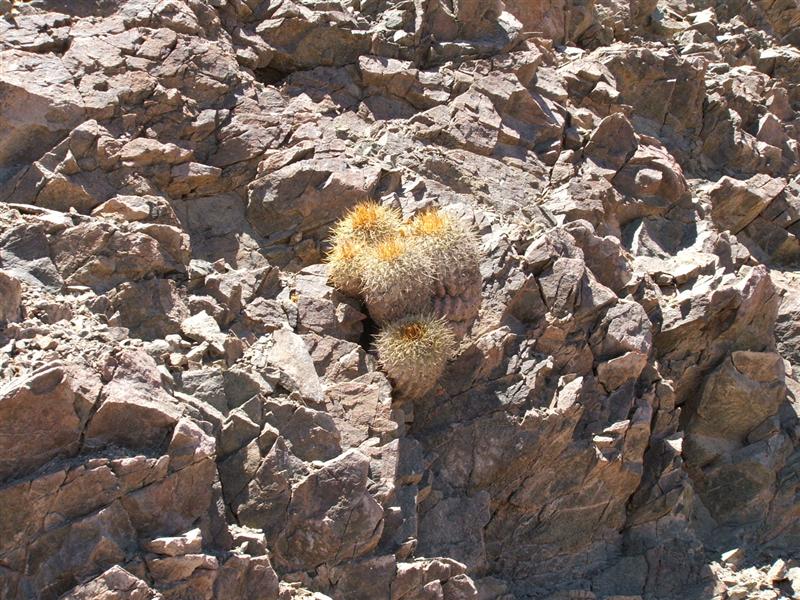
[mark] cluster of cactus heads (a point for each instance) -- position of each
(420, 276)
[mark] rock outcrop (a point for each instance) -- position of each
(189, 410)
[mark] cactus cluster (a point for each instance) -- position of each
(420, 281)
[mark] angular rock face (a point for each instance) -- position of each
(189, 410)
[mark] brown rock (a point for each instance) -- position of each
(333, 507)
(150, 309)
(134, 409)
(734, 203)
(41, 104)
(10, 297)
(114, 584)
(31, 437)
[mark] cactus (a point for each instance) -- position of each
(367, 223)
(345, 268)
(395, 278)
(454, 253)
(413, 352)
(429, 266)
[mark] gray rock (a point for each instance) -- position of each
(289, 355)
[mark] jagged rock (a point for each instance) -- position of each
(189, 543)
(32, 438)
(186, 402)
(611, 145)
(246, 577)
(736, 203)
(338, 488)
(41, 103)
(290, 356)
(101, 256)
(114, 584)
(740, 395)
(25, 254)
(150, 309)
(10, 297)
(134, 409)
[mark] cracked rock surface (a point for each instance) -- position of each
(189, 411)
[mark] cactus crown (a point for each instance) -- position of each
(421, 268)
(431, 223)
(420, 340)
(367, 222)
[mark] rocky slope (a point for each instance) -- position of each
(188, 410)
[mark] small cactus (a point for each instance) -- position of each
(367, 223)
(455, 263)
(345, 270)
(395, 279)
(413, 352)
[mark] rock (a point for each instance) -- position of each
(733, 557)
(114, 584)
(467, 545)
(318, 192)
(203, 328)
(290, 356)
(32, 438)
(422, 572)
(25, 254)
(189, 410)
(150, 309)
(126, 208)
(101, 256)
(746, 389)
(340, 486)
(362, 409)
(310, 434)
(736, 203)
(611, 144)
(134, 409)
(10, 297)
(777, 572)
(41, 103)
(246, 577)
(189, 543)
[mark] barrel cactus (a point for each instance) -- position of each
(413, 352)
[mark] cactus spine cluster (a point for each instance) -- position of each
(413, 352)
(420, 281)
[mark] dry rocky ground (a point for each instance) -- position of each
(189, 411)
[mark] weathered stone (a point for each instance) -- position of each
(150, 309)
(43, 417)
(734, 204)
(290, 356)
(189, 543)
(745, 390)
(40, 103)
(10, 297)
(333, 507)
(114, 584)
(134, 409)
